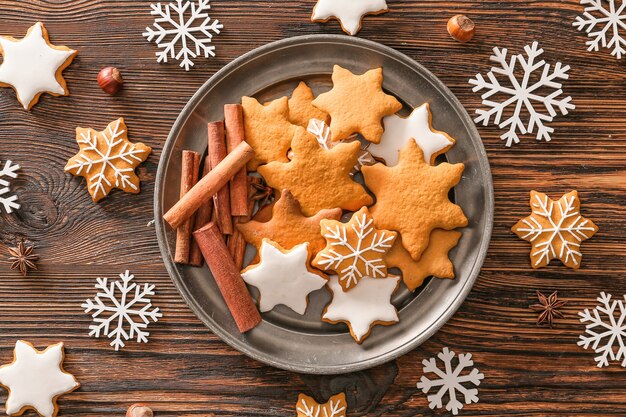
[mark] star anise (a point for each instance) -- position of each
(260, 191)
(548, 308)
(23, 258)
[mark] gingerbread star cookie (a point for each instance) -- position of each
(288, 227)
(35, 379)
(555, 229)
(335, 407)
(354, 249)
(33, 66)
(267, 130)
(107, 159)
(348, 12)
(357, 104)
(433, 262)
(318, 178)
(412, 197)
(301, 109)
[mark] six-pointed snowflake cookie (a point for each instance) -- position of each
(348, 12)
(119, 305)
(532, 106)
(335, 407)
(603, 21)
(453, 380)
(9, 202)
(605, 330)
(183, 31)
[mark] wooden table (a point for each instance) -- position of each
(187, 371)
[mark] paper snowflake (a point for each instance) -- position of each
(191, 29)
(528, 92)
(9, 202)
(121, 304)
(605, 335)
(451, 381)
(606, 20)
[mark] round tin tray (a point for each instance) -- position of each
(303, 343)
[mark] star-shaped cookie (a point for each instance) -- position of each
(301, 109)
(412, 197)
(288, 227)
(319, 178)
(267, 130)
(399, 130)
(283, 277)
(36, 379)
(335, 407)
(357, 104)
(33, 66)
(348, 12)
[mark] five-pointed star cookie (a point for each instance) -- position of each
(267, 130)
(33, 66)
(288, 227)
(418, 126)
(301, 109)
(283, 277)
(335, 407)
(357, 104)
(36, 379)
(348, 12)
(412, 197)
(107, 159)
(319, 178)
(555, 229)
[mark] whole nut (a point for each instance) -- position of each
(139, 410)
(461, 28)
(110, 80)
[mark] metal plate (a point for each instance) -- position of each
(303, 343)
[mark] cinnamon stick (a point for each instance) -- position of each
(237, 247)
(227, 277)
(203, 216)
(233, 117)
(188, 178)
(209, 185)
(217, 153)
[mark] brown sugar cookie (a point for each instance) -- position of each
(267, 130)
(555, 229)
(301, 111)
(357, 104)
(335, 407)
(412, 197)
(319, 178)
(433, 262)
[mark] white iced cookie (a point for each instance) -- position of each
(32, 65)
(283, 277)
(348, 12)
(364, 306)
(399, 130)
(35, 379)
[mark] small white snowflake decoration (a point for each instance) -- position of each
(605, 330)
(533, 87)
(183, 30)
(603, 21)
(9, 202)
(450, 381)
(120, 304)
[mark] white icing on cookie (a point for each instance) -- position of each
(363, 305)
(348, 12)
(399, 130)
(283, 278)
(30, 65)
(35, 379)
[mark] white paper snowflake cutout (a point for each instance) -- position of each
(121, 304)
(451, 381)
(191, 30)
(524, 93)
(605, 335)
(608, 22)
(9, 202)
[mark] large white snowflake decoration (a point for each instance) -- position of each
(120, 304)
(605, 331)
(9, 202)
(523, 93)
(191, 29)
(451, 381)
(604, 23)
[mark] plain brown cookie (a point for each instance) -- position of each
(301, 109)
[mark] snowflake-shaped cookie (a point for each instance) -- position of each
(450, 381)
(528, 92)
(120, 304)
(335, 407)
(605, 330)
(9, 202)
(188, 26)
(603, 20)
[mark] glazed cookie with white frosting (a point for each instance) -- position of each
(348, 12)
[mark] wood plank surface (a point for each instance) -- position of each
(187, 371)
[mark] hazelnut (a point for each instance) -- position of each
(110, 80)
(461, 28)
(139, 410)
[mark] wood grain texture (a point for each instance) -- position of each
(185, 370)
